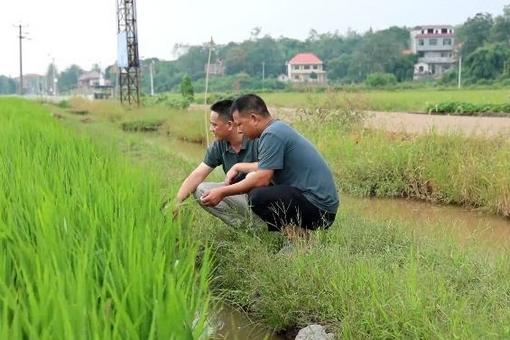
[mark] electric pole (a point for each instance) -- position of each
(21, 37)
(459, 85)
(151, 65)
(263, 71)
(54, 78)
(206, 88)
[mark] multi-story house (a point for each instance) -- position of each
(435, 47)
(306, 67)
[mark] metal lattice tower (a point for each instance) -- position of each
(129, 82)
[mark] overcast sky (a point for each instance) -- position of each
(84, 32)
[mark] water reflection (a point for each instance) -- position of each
(466, 225)
(235, 325)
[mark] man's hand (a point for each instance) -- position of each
(231, 174)
(176, 210)
(212, 197)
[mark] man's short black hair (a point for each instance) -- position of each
(250, 103)
(222, 108)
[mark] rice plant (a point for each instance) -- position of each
(84, 251)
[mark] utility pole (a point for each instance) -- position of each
(54, 77)
(459, 82)
(206, 88)
(152, 77)
(263, 71)
(21, 37)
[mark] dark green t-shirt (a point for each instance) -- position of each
(296, 162)
(221, 153)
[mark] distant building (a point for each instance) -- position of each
(283, 78)
(435, 47)
(306, 67)
(33, 84)
(93, 85)
(89, 80)
(216, 69)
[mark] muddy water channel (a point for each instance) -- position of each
(462, 224)
(235, 325)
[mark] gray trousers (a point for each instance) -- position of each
(233, 210)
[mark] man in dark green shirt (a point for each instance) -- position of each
(228, 148)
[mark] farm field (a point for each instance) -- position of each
(394, 101)
(362, 278)
(84, 248)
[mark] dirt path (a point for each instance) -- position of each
(422, 123)
(418, 122)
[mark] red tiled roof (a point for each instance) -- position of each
(305, 58)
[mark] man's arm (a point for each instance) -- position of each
(191, 183)
(237, 168)
(254, 180)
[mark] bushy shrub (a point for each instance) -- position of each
(173, 103)
(142, 125)
(187, 88)
(64, 104)
(469, 109)
(380, 79)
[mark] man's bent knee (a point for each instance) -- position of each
(256, 197)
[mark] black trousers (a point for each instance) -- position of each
(281, 205)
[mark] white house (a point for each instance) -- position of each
(306, 67)
(435, 47)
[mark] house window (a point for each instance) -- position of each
(296, 67)
(307, 67)
(421, 42)
(315, 67)
(444, 30)
(430, 31)
(447, 42)
(432, 42)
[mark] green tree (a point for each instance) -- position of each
(474, 33)
(187, 88)
(381, 79)
(7, 85)
(68, 79)
(488, 62)
(236, 60)
(194, 61)
(500, 31)
(51, 78)
(338, 68)
(403, 67)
